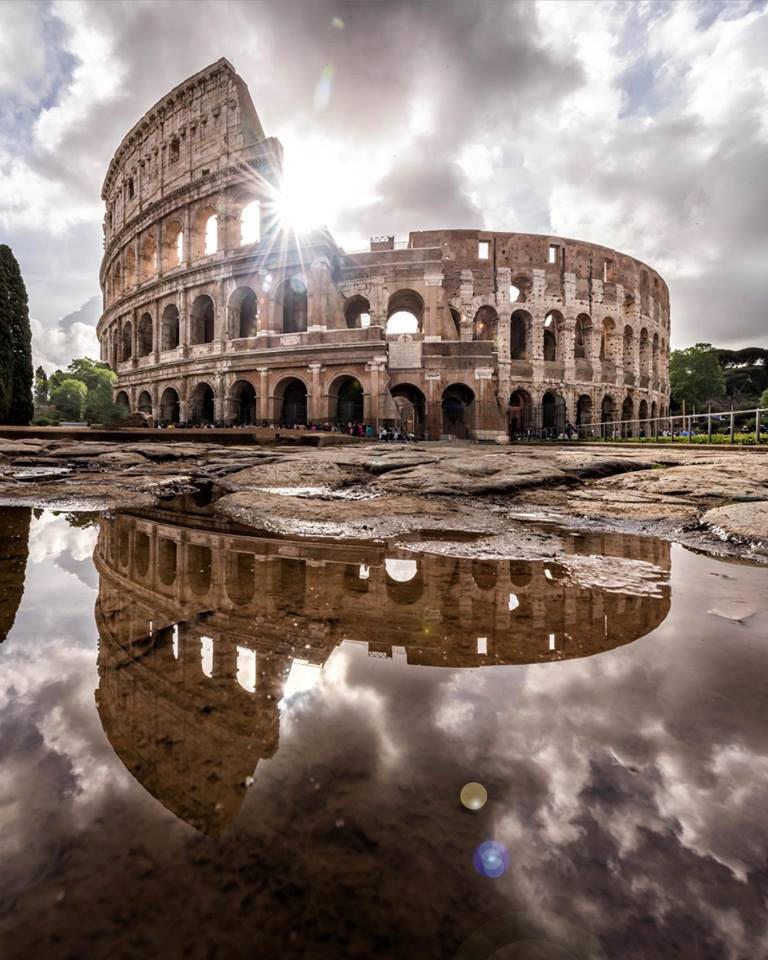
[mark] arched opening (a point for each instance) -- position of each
(608, 415)
(117, 282)
(291, 396)
(205, 228)
(553, 323)
(628, 349)
(411, 405)
(173, 244)
(519, 414)
(141, 553)
(201, 407)
(199, 563)
(243, 403)
(405, 311)
(126, 341)
(240, 577)
(250, 223)
(148, 257)
(242, 308)
(654, 410)
(202, 319)
(169, 406)
(145, 403)
(145, 335)
(484, 573)
(169, 332)
(129, 267)
(584, 408)
(456, 317)
(166, 561)
(518, 334)
(645, 353)
(521, 285)
(582, 337)
(356, 578)
(552, 413)
(485, 324)
(627, 414)
(606, 340)
(642, 414)
(403, 580)
(655, 355)
(345, 401)
(458, 405)
(293, 296)
(357, 313)
(122, 401)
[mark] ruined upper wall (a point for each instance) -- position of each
(205, 124)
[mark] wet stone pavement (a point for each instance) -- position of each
(215, 744)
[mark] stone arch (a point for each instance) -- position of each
(520, 324)
(117, 281)
(242, 402)
(291, 402)
(608, 340)
(405, 312)
(173, 244)
(243, 310)
(145, 335)
(129, 267)
(552, 412)
(411, 405)
(552, 334)
(144, 404)
(201, 404)
(167, 558)
(199, 568)
(357, 312)
(249, 221)
(141, 553)
(126, 341)
(205, 223)
(169, 328)
(654, 410)
(519, 413)
(122, 401)
(627, 415)
(456, 318)
(293, 299)
(628, 349)
(169, 406)
(458, 403)
(607, 414)
(485, 324)
(582, 339)
(655, 355)
(523, 285)
(403, 589)
(645, 353)
(240, 576)
(148, 256)
(345, 400)
(484, 573)
(202, 319)
(584, 410)
(642, 416)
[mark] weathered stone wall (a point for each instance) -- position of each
(213, 312)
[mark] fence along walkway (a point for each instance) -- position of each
(745, 422)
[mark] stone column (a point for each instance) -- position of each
(181, 297)
(433, 414)
(136, 263)
(156, 331)
(466, 312)
(315, 400)
(567, 348)
(431, 322)
(218, 398)
(264, 412)
(159, 248)
(186, 243)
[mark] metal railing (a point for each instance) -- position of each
(731, 426)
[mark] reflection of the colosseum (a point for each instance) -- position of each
(200, 629)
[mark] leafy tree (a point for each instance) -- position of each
(695, 376)
(16, 405)
(764, 400)
(68, 396)
(98, 380)
(41, 387)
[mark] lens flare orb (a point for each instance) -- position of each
(473, 796)
(491, 859)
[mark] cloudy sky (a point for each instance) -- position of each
(640, 125)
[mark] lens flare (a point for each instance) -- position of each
(491, 859)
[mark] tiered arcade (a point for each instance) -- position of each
(214, 312)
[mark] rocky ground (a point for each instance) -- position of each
(485, 499)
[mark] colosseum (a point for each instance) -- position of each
(217, 313)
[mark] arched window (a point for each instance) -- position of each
(243, 403)
(211, 234)
(145, 335)
(204, 236)
(357, 312)
(346, 402)
(519, 413)
(293, 294)
(169, 406)
(169, 337)
(582, 337)
(456, 317)
(291, 402)
(250, 223)
(628, 349)
(148, 256)
(404, 312)
(485, 324)
(145, 402)
(202, 319)
(243, 305)
(201, 407)
(173, 244)
(126, 341)
(518, 341)
(411, 405)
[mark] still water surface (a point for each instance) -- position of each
(217, 744)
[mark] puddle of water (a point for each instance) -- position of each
(216, 743)
(324, 493)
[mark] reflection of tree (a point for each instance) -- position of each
(14, 550)
(82, 519)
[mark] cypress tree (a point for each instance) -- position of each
(41, 387)
(13, 294)
(6, 344)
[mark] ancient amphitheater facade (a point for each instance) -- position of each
(213, 312)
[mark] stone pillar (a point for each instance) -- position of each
(466, 312)
(432, 320)
(159, 248)
(318, 296)
(264, 412)
(219, 389)
(181, 297)
(136, 263)
(315, 399)
(186, 243)
(433, 414)
(567, 348)
(156, 331)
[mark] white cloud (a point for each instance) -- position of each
(54, 348)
